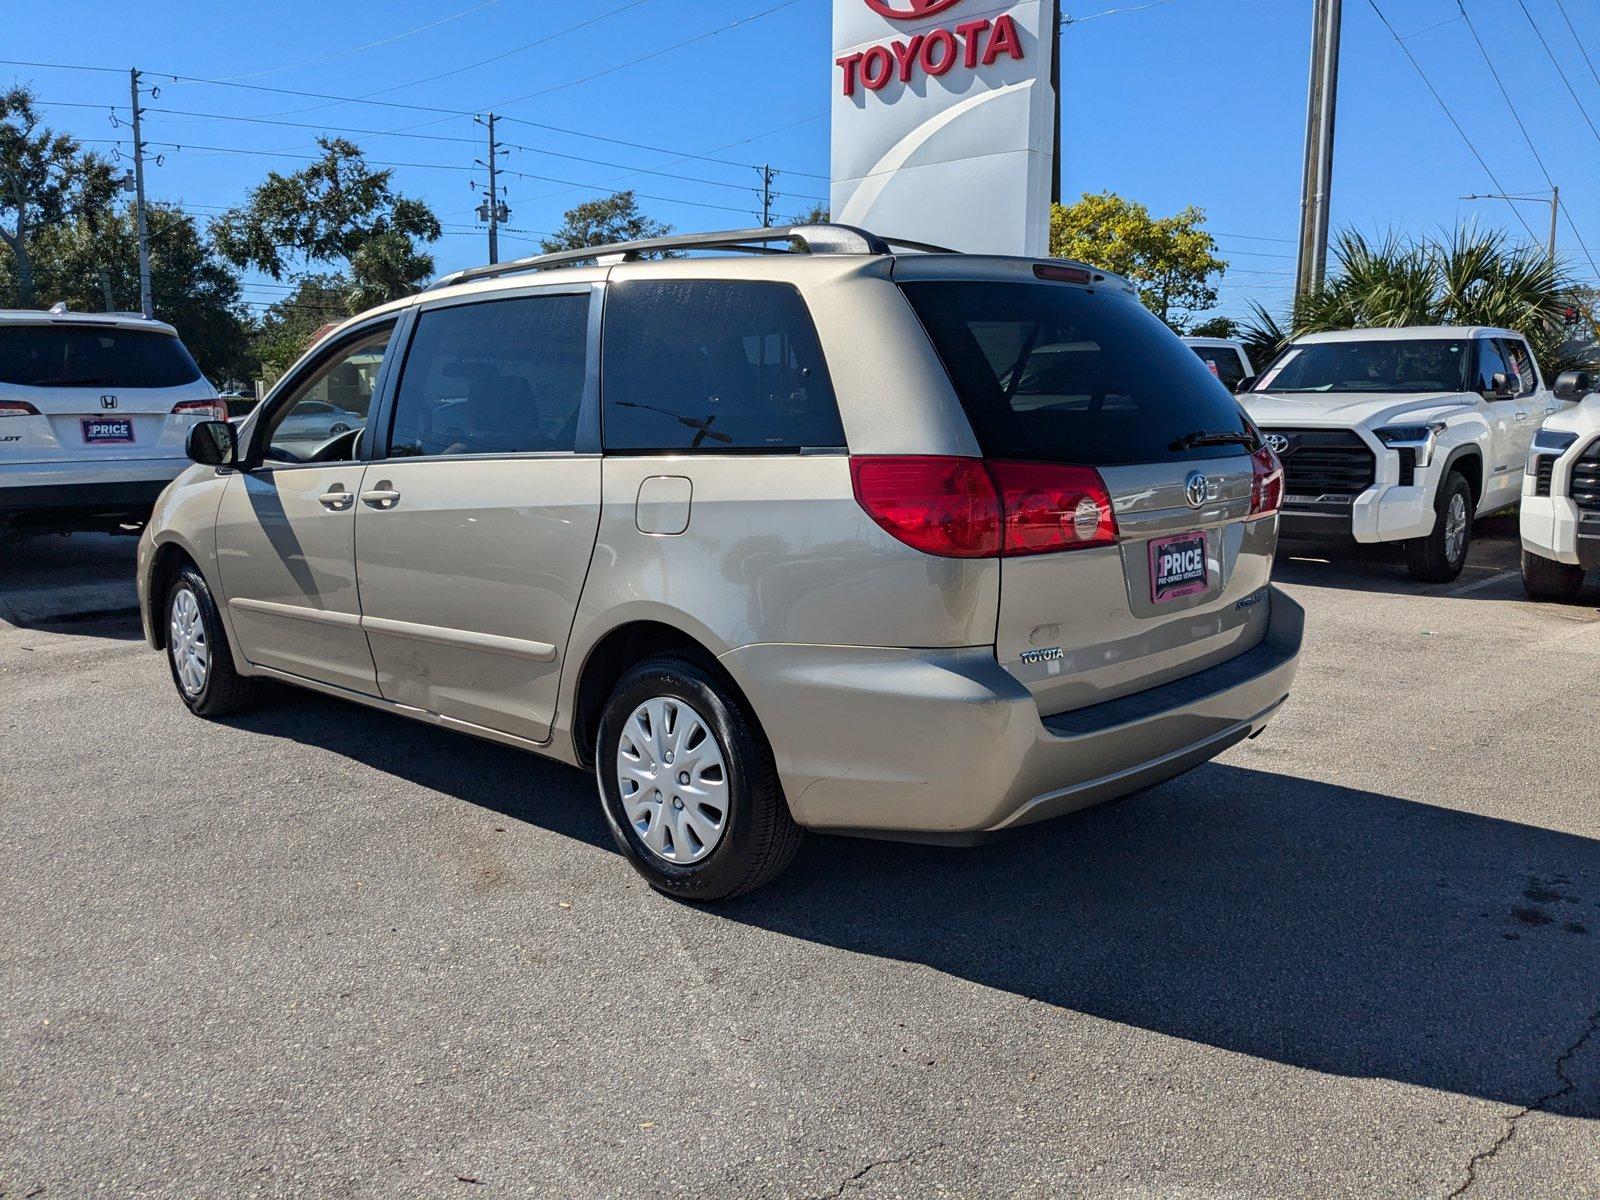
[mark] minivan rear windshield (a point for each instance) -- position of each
(82, 356)
(1395, 366)
(1063, 374)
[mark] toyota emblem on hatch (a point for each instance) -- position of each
(1196, 488)
(1277, 443)
(909, 10)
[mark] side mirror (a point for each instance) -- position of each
(1500, 387)
(213, 444)
(1244, 385)
(1573, 386)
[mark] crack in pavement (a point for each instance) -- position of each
(1568, 1084)
(855, 1180)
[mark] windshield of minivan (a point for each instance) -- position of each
(1052, 372)
(1422, 365)
(83, 356)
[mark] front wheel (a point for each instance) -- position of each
(1439, 557)
(1545, 579)
(197, 650)
(688, 784)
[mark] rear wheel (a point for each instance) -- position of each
(688, 785)
(1545, 579)
(197, 650)
(1439, 557)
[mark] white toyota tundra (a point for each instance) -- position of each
(1561, 494)
(1400, 435)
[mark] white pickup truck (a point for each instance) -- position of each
(1400, 435)
(1561, 494)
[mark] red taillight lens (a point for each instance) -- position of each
(936, 504)
(17, 408)
(206, 410)
(1266, 483)
(1050, 507)
(969, 508)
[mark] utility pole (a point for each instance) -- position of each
(1055, 94)
(146, 303)
(493, 210)
(1317, 181)
(1555, 210)
(767, 196)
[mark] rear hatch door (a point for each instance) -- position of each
(1062, 372)
(96, 391)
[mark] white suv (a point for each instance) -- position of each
(94, 412)
(1561, 494)
(1400, 435)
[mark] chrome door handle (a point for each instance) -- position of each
(337, 498)
(382, 496)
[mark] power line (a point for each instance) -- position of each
(398, 37)
(1578, 41)
(1423, 75)
(1554, 62)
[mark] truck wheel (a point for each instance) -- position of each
(688, 785)
(1439, 557)
(1545, 579)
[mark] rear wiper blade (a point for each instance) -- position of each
(1217, 437)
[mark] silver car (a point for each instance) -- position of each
(835, 534)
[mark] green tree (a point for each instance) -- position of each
(1171, 260)
(337, 212)
(1468, 278)
(290, 325)
(194, 290)
(817, 214)
(614, 218)
(1215, 327)
(45, 178)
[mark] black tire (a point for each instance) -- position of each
(1429, 558)
(1545, 579)
(223, 690)
(758, 835)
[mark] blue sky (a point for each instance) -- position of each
(1184, 102)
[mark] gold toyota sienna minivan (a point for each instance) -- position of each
(820, 531)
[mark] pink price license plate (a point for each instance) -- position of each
(1178, 566)
(104, 429)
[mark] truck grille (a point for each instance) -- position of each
(1586, 479)
(1325, 462)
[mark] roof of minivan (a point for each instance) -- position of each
(121, 320)
(1406, 333)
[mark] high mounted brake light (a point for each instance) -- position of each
(1066, 274)
(969, 508)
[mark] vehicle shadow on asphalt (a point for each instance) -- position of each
(1325, 927)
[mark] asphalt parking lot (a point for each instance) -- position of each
(318, 951)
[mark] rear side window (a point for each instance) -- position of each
(1062, 374)
(500, 377)
(725, 366)
(1516, 352)
(80, 356)
(1223, 362)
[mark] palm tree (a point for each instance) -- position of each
(1470, 278)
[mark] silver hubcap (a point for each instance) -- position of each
(187, 640)
(1455, 527)
(673, 779)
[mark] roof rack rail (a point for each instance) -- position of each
(802, 239)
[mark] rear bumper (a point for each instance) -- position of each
(69, 495)
(945, 745)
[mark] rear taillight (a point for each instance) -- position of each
(969, 508)
(936, 504)
(1050, 507)
(17, 408)
(206, 410)
(1266, 483)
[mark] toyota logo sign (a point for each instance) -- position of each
(1277, 443)
(909, 10)
(1196, 488)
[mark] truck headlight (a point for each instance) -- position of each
(1420, 438)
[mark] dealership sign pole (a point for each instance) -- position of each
(944, 121)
